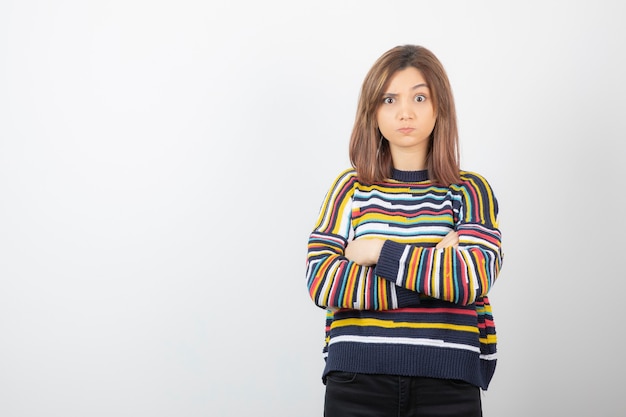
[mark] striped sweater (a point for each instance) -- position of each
(420, 311)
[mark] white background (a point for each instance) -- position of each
(162, 164)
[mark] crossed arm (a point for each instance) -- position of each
(374, 273)
(366, 251)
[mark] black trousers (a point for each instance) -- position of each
(360, 395)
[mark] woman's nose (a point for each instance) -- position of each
(406, 112)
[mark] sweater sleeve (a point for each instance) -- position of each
(462, 274)
(332, 280)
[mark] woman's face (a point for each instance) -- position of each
(406, 118)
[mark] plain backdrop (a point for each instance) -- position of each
(162, 164)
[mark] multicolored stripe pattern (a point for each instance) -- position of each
(420, 309)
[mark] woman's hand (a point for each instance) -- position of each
(451, 239)
(364, 251)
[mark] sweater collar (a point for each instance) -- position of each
(409, 176)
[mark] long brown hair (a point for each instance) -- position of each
(369, 153)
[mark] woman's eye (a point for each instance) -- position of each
(387, 100)
(419, 98)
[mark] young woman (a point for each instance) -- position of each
(403, 254)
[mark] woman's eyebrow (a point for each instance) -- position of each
(415, 87)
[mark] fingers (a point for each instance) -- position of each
(451, 239)
(364, 251)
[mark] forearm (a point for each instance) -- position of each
(459, 274)
(334, 281)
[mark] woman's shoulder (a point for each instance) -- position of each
(342, 184)
(350, 171)
(478, 197)
(346, 175)
(473, 178)
(474, 183)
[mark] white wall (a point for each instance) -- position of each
(162, 163)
